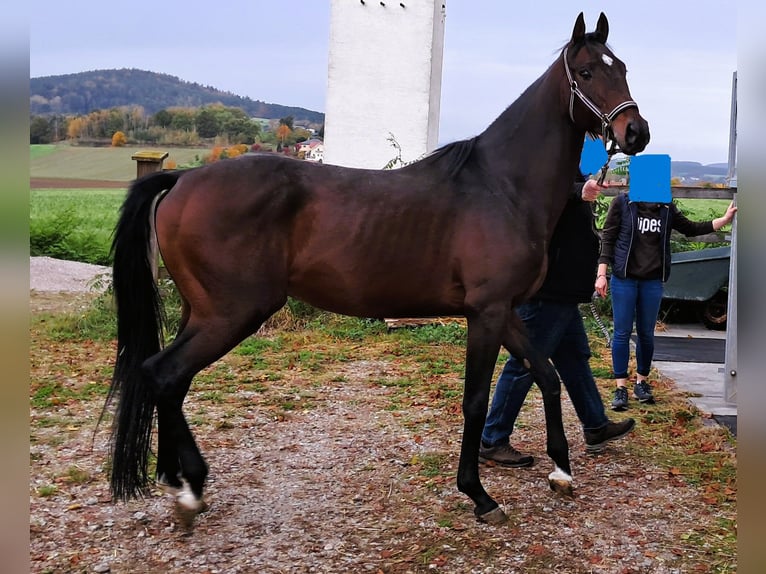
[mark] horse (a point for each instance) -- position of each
(461, 232)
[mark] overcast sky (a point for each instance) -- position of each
(680, 55)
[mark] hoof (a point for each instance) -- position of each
(562, 487)
(561, 483)
(494, 516)
(186, 514)
(188, 506)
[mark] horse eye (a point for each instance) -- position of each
(585, 74)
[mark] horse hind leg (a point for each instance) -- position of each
(560, 479)
(181, 468)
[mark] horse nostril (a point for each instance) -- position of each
(631, 134)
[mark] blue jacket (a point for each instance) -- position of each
(624, 247)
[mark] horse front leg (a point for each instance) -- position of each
(481, 356)
(516, 341)
(560, 480)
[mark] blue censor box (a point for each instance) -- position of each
(593, 156)
(650, 178)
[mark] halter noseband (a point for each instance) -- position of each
(606, 119)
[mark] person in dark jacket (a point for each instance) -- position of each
(635, 241)
(555, 327)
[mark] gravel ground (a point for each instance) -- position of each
(339, 487)
(50, 275)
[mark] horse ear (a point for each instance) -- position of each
(579, 29)
(602, 28)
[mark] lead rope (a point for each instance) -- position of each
(599, 322)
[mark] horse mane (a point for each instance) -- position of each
(450, 157)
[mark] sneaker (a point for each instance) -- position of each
(643, 392)
(620, 401)
(595, 440)
(505, 455)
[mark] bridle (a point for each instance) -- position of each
(606, 119)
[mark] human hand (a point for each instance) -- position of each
(601, 286)
(591, 190)
(726, 218)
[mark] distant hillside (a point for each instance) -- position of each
(84, 92)
(691, 172)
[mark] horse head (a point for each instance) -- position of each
(597, 91)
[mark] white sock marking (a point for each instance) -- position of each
(559, 474)
(187, 498)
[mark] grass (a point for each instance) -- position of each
(74, 224)
(47, 490)
(99, 163)
(703, 209)
(41, 150)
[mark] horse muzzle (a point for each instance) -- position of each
(631, 131)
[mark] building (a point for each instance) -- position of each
(384, 80)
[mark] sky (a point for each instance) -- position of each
(680, 55)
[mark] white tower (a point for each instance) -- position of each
(384, 79)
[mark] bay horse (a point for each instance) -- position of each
(462, 232)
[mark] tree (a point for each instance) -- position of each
(622, 167)
(163, 118)
(242, 130)
(75, 128)
(40, 130)
(283, 131)
(287, 121)
(119, 139)
(207, 123)
(183, 119)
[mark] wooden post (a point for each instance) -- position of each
(150, 162)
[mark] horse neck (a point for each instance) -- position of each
(534, 148)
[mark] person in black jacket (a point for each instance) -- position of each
(636, 242)
(555, 327)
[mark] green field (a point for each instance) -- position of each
(98, 163)
(703, 209)
(74, 224)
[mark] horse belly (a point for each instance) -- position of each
(364, 291)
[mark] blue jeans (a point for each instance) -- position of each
(634, 300)
(556, 330)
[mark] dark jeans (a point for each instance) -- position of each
(556, 330)
(634, 300)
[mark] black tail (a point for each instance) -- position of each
(139, 335)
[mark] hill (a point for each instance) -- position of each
(692, 172)
(84, 92)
